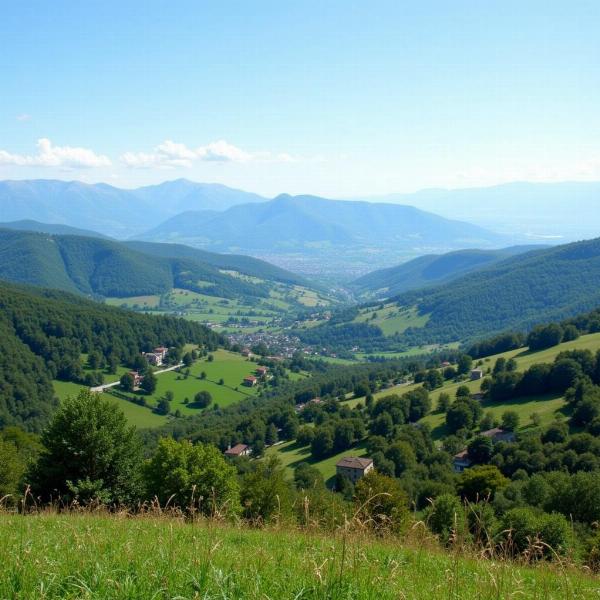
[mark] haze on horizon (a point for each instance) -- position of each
(339, 99)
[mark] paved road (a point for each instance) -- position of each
(105, 386)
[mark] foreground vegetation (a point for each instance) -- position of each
(97, 556)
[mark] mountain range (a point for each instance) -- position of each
(310, 234)
(110, 210)
(307, 234)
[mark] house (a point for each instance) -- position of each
(153, 358)
(476, 374)
(238, 450)
(446, 364)
(137, 378)
(250, 381)
(499, 435)
(461, 461)
(246, 352)
(162, 351)
(353, 467)
(479, 396)
(262, 371)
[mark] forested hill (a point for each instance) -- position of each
(519, 292)
(51, 228)
(105, 268)
(43, 334)
(430, 270)
(246, 265)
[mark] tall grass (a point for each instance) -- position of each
(92, 554)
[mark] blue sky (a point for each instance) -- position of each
(339, 98)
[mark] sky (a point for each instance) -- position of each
(329, 97)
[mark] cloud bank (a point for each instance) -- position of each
(48, 155)
(171, 154)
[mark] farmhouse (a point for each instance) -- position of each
(153, 358)
(250, 381)
(137, 378)
(353, 468)
(246, 352)
(238, 450)
(162, 351)
(262, 371)
(462, 461)
(476, 374)
(499, 435)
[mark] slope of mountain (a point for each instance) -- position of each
(107, 268)
(516, 293)
(51, 228)
(113, 211)
(43, 334)
(246, 265)
(431, 269)
(563, 210)
(519, 292)
(338, 233)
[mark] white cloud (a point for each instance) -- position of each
(67, 157)
(169, 154)
(24, 117)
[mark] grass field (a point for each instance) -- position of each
(392, 319)
(139, 416)
(86, 556)
(291, 455)
(229, 366)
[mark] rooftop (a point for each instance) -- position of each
(353, 462)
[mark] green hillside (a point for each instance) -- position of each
(429, 270)
(77, 556)
(547, 407)
(98, 267)
(515, 293)
(43, 335)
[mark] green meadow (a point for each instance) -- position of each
(94, 556)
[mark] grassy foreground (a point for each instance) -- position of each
(94, 556)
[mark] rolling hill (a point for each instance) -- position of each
(515, 293)
(43, 334)
(343, 235)
(112, 211)
(98, 267)
(430, 269)
(51, 228)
